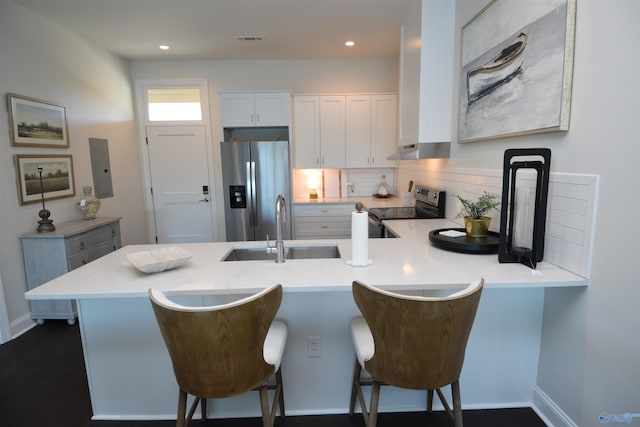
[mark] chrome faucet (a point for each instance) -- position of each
(281, 217)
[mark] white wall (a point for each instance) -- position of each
(297, 76)
(43, 60)
(588, 361)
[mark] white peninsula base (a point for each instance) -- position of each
(130, 374)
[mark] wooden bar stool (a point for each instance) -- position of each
(225, 350)
(411, 342)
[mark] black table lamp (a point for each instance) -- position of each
(45, 225)
(525, 187)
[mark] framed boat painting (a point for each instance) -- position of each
(516, 69)
(37, 123)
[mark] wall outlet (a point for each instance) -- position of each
(314, 346)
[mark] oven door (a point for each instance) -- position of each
(376, 229)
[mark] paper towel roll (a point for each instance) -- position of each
(360, 239)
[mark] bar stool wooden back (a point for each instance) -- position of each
(225, 350)
(411, 342)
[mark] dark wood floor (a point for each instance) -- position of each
(43, 384)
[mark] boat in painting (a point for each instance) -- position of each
(486, 78)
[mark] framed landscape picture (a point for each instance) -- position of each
(37, 123)
(516, 69)
(57, 177)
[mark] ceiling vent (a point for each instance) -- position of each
(249, 38)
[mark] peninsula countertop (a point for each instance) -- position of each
(406, 263)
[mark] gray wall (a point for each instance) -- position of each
(43, 60)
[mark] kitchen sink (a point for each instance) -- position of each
(312, 252)
(327, 251)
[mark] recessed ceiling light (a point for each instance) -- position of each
(349, 43)
(164, 47)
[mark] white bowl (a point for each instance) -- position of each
(157, 260)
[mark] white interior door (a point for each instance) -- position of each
(181, 184)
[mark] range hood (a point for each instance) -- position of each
(422, 150)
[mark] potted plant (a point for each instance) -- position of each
(476, 223)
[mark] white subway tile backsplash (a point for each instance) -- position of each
(571, 207)
(561, 189)
(572, 235)
(365, 181)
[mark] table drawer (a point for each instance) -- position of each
(91, 254)
(109, 233)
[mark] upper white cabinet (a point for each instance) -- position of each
(371, 130)
(426, 72)
(332, 127)
(246, 109)
(306, 130)
(319, 131)
(338, 131)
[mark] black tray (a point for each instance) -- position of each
(465, 244)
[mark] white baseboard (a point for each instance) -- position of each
(21, 325)
(548, 411)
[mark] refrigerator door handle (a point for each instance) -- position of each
(251, 193)
(249, 198)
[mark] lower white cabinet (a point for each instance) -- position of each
(322, 221)
(71, 245)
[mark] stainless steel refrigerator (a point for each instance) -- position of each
(254, 174)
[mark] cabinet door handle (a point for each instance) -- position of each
(82, 246)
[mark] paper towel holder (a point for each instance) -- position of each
(360, 262)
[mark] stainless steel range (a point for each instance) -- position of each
(430, 203)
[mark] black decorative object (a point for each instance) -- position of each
(525, 187)
(465, 244)
(45, 225)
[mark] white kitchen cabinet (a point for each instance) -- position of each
(306, 131)
(72, 245)
(319, 131)
(322, 221)
(249, 109)
(332, 131)
(371, 130)
(426, 72)
(358, 131)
